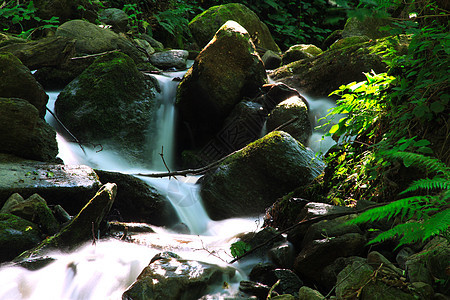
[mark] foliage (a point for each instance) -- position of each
(137, 23)
(22, 19)
(239, 248)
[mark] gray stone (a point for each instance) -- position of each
(283, 256)
(306, 293)
(301, 51)
(402, 257)
(170, 59)
(271, 60)
(369, 26)
(115, 17)
(328, 276)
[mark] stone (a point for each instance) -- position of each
(124, 115)
(205, 25)
(293, 108)
(307, 293)
(369, 26)
(257, 289)
(225, 72)
(137, 201)
(16, 81)
(328, 276)
(261, 237)
(348, 42)
(170, 59)
(271, 60)
(300, 51)
(67, 9)
(117, 18)
(375, 260)
(68, 185)
(250, 180)
(16, 236)
(283, 256)
(170, 277)
(153, 42)
(403, 255)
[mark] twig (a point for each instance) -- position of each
(94, 55)
(94, 239)
(164, 161)
(269, 296)
(286, 124)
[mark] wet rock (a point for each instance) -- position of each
(12, 201)
(328, 276)
(295, 111)
(283, 256)
(274, 93)
(70, 186)
(289, 281)
(33, 209)
(376, 260)
(16, 236)
(170, 59)
(153, 42)
(16, 81)
(99, 111)
(253, 178)
(318, 254)
(301, 51)
(137, 201)
(117, 18)
(226, 70)
(170, 277)
(402, 257)
(284, 297)
(262, 237)
(306, 293)
(424, 290)
(271, 60)
(23, 133)
(92, 39)
(130, 227)
(205, 25)
(254, 288)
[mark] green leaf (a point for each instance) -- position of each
(437, 107)
(239, 248)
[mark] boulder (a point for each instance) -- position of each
(23, 133)
(16, 81)
(16, 236)
(250, 180)
(349, 41)
(295, 111)
(226, 70)
(368, 26)
(204, 26)
(170, 59)
(170, 277)
(306, 293)
(68, 185)
(317, 76)
(257, 289)
(300, 51)
(117, 18)
(328, 276)
(283, 256)
(92, 39)
(97, 109)
(271, 60)
(33, 209)
(137, 201)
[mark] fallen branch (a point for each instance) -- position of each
(94, 55)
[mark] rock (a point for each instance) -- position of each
(288, 110)
(45, 52)
(317, 76)
(375, 260)
(283, 256)
(170, 59)
(262, 273)
(23, 133)
(67, 9)
(92, 39)
(205, 25)
(283, 213)
(117, 18)
(402, 257)
(261, 237)
(289, 281)
(137, 201)
(328, 276)
(98, 110)
(306, 293)
(67, 185)
(368, 26)
(318, 254)
(254, 288)
(145, 45)
(424, 290)
(169, 277)
(271, 60)
(274, 93)
(252, 179)
(13, 200)
(226, 70)
(284, 297)
(154, 43)
(349, 41)
(301, 51)
(35, 210)
(16, 81)
(81, 227)
(16, 236)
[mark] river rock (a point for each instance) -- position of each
(33, 209)
(92, 39)
(117, 18)
(255, 288)
(16, 236)
(226, 70)
(136, 201)
(271, 60)
(97, 109)
(23, 133)
(250, 180)
(328, 276)
(170, 277)
(205, 25)
(307, 293)
(16, 81)
(368, 26)
(300, 51)
(170, 59)
(293, 108)
(68, 185)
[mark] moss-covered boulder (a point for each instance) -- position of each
(110, 102)
(300, 51)
(23, 133)
(368, 26)
(16, 236)
(205, 25)
(349, 41)
(252, 179)
(293, 112)
(226, 70)
(321, 75)
(117, 18)
(16, 81)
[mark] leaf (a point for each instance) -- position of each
(50, 174)
(239, 248)
(437, 107)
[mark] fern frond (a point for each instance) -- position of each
(437, 224)
(428, 184)
(408, 233)
(429, 163)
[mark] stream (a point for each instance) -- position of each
(104, 270)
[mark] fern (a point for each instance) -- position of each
(436, 183)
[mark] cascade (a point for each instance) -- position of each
(105, 270)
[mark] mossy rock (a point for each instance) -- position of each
(252, 179)
(205, 25)
(349, 41)
(111, 101)
(369, 26)
(224, 73)
(16, 236)
(300, 51)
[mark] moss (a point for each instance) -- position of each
(349, 41)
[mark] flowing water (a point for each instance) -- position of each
(106, 269)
